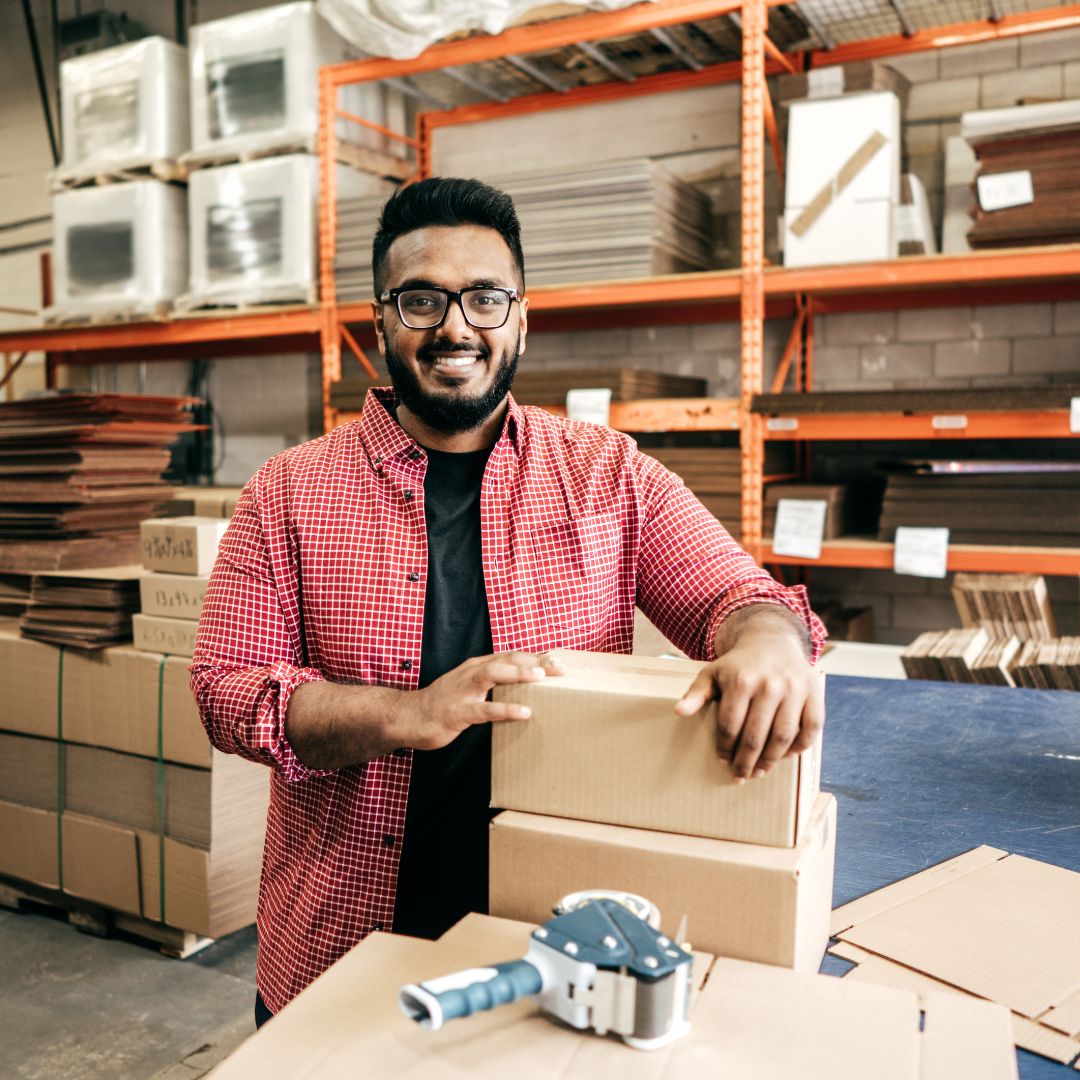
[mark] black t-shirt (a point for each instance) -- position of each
(444, 859)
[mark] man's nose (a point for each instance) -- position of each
(454, 323)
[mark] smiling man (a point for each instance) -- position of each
(374, 585)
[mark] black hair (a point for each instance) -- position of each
(445, 201)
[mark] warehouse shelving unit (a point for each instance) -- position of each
(752, 293)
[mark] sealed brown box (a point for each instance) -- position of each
(749, 1021)
(158, 634)
(837, 79)
(173, 596)
(107, 698)
(181, 545)
(604, 744)
(766, 904)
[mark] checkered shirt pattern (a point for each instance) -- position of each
(322, 574)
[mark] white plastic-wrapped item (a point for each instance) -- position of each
(254, 229)
(118, 249)
(255, 85)
(124, 107)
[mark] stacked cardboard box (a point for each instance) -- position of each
(1006, 605)
(605, 787)
(113, 794)
(178, 555)
(713, 474)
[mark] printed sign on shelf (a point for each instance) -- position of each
(800, 527)
(593, 405)
(1002, 190)
(921, 552)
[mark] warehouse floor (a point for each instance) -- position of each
(77, 1007)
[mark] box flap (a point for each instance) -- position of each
(101, 863)
(1066, 1016)
(965, 1037)
(29, 849)
(1007, 932)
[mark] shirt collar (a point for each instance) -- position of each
(383, 436)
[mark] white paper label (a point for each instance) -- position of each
(1002, 190)
(593, 405)
(825, 82)
(1074, 415)
(948, 423)
(921, 552)
(782, 423)
(800, 526)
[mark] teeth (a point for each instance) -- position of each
(454, 361)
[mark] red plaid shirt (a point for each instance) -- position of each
(321, 576)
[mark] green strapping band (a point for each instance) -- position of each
(161, 781)
(60, 767)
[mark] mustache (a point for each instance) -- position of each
(444, 345)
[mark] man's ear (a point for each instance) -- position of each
(523, 323)
(377, 313)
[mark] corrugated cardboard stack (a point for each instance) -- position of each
(605, 787)
(713, 474)
(117, 797)
(178, 555)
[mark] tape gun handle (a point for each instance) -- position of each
(433, 1002)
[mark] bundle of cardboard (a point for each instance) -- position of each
(713, 474)
(78, 472)
(86, 609)
(1007, 605)
(1048, 665)
(605, 787)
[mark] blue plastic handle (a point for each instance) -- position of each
(430, 1005)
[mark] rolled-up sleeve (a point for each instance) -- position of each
(692, 575)
(248, 658)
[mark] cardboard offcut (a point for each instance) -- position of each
(766, 904)
(748, 1020)
(604, 744)
(181, 545)
(158, 634)
(172, 596)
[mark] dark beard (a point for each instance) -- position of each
(451, 413)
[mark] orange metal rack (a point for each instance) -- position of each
(752, 293)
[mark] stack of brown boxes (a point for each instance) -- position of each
(178, 555)
(605, 787)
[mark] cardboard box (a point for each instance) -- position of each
(108, 698)
(766, 904)
(749, 1020)
(206, 893)
(181, 545)
(839, 79)
(604, 744)
(172, 596)
(158, 634)
(843, 180)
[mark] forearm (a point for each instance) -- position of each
(331, 726)
(770, 620)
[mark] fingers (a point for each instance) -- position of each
(701, 690)
(730, 716)
(507, 669)
(785, 729)
(813, 718)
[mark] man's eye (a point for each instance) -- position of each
(420, 303)
(492, 299)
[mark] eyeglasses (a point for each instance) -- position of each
(425, 309)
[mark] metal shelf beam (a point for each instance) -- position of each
(1042, 424)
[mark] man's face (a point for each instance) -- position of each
(452, 377)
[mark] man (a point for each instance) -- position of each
(374, 585)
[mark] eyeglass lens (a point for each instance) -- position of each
(484, 308)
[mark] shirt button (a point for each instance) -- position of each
(406, 665)
(377, 926)
(406, 494)
(389, 840)
(414, 454)
(378, 460)
(414, 576)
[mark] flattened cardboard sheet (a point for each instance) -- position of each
(748, 1021)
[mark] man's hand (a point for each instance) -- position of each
(772, 702)
(431, 718)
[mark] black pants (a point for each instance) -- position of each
(262, 1013)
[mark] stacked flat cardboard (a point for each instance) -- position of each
(713, 474)
(14, 594)
(357, 221)
(843, 179)
(834, 496)
(1048, 665)
(178, 554)
(947, 655)
(747, 1020)
(987, 502)
(88, 609)
(995, 666)
(986, 925)
(77, 474)
(1005, 604)
(613, 790)
(139, 781)
(1028, 184)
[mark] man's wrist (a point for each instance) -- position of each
(762, 620)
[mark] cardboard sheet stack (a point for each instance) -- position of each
(1007, 605)
(89, 609)
(178, 555)
(78, 472)
(834, 496)
(1028, 183)
(987, 502)
(111, 792)
(605, 787)
(713, 474)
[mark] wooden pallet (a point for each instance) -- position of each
(157, 313)
(169, 172)
(361, 158)
(98, 921)
(212, 310)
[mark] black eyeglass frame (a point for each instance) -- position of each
(395, 294)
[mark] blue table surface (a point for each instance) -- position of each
(924, 771)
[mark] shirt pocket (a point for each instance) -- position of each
(577, 567)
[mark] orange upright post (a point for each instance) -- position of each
(329, 334)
